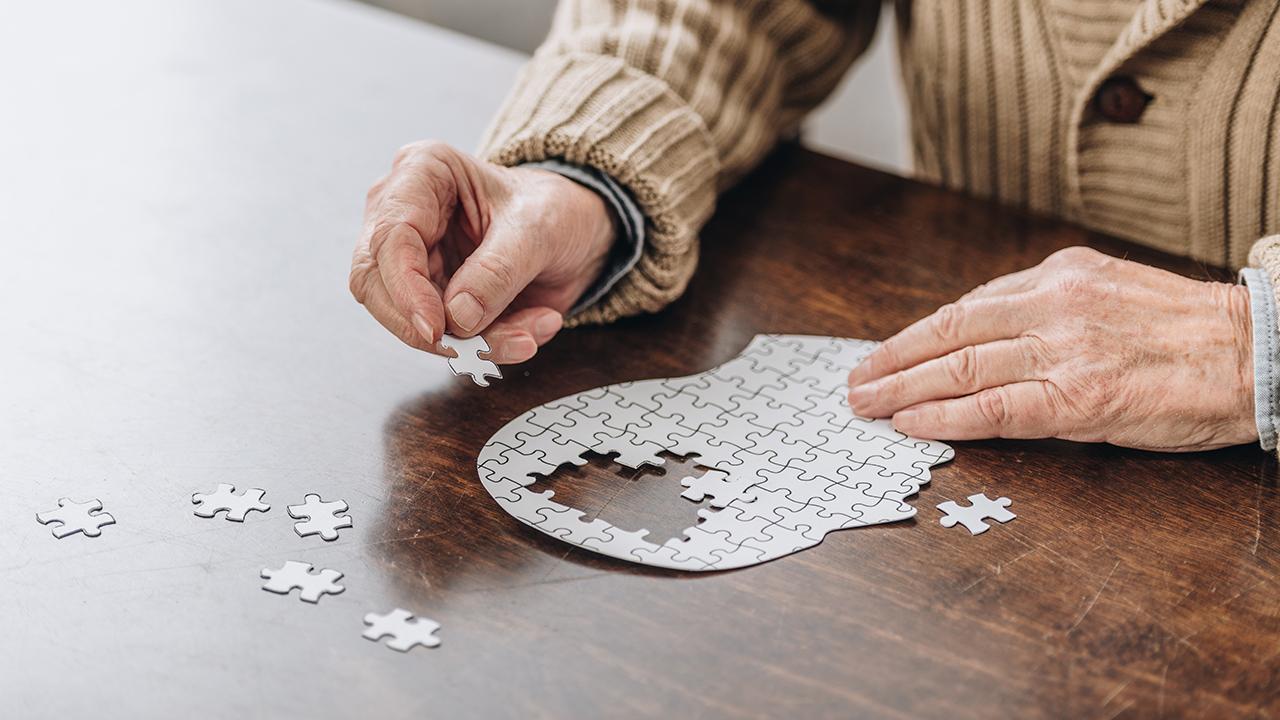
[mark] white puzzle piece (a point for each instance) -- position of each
(786, 460)
(319, 517)
(236, 505)
(980, 508)
(405, 630)
(73, 517)
(468, 361)
(294, 575)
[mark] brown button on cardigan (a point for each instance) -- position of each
(1121, 100)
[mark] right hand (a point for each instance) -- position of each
(459, 245)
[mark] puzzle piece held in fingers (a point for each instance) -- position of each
(468, 361)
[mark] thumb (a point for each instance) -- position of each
(490, 278)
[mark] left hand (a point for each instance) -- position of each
(1081, 347)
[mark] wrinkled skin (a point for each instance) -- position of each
(1081, 347)
(458, 245)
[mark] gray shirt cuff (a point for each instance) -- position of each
(629, 244)
(1266, 354)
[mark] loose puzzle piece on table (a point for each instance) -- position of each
(294, 575)
(469, 361)
(981, 508)
(225, 499)
(787, 461)
(319, 517)
(405, 630)
(73, 517)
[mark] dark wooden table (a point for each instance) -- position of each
(174, 315)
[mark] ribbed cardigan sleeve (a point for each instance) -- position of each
(675, 99)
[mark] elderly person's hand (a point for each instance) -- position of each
(455, 244)
(1082, 347)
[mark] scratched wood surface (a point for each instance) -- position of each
(174, 315)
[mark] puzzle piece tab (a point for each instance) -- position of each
(468, 361)
(981, 508)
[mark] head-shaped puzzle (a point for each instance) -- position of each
(787, 460)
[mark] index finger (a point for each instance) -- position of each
(404, 264)
(1020, 411)
(949, 328)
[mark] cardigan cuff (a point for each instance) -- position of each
(1266, 354)
(596, 111)
(629, 244)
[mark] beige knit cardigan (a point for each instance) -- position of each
(676, 99)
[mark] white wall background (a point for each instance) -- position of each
(865, 120)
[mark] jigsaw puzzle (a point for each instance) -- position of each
(787, 461)
(225, 499)
(319, 517)
(294, 575)
(405, 630)
(719, 486)
(468, 361)
(980, 508)
(73, 517)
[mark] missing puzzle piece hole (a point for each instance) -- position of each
(648, 497)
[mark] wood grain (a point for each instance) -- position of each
(179, 208)
(1132, 584)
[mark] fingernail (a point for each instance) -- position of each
(519, 349)
(466, 311)
(906, 418)
(424, 329)
(859, 374)
(547, 325)
(860, 396)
